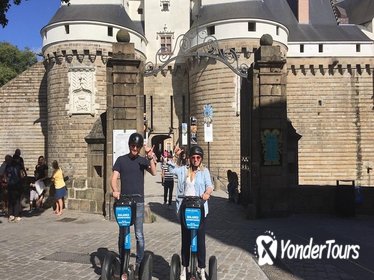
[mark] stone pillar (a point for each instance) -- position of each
(125, 103)
(268, 162)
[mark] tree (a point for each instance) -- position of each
(5, 5)
(14, 61)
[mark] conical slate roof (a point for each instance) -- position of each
(322, 25)
(359, 12)
(109, 14)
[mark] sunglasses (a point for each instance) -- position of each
(132, 146)
(196, 157)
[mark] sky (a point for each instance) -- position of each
(25, 22)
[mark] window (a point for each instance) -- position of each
(277, 30)
(251, 26)
(165, 44)
(110, 31)
(67, 29)
(165, 5)
(358, 48)
(140, 11)
(211, 30)
(320, 48)
(301, 48)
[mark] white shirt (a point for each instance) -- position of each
(189, 187)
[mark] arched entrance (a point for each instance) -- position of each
(158, 141)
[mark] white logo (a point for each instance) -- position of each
(267, 245)
(266, 248)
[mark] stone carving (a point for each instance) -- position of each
(81, 91)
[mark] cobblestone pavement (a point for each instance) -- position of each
(72, 246)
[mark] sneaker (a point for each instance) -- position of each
(17, 219)
(183, 273)
(11, 218)
(202, 274)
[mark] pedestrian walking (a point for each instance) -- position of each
(4, 184)
(168, 181)
(14, 181)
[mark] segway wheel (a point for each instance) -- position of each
(146, 267)
(110, 267)
(175, 267)
(212, 268)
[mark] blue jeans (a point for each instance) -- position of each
(138, 226)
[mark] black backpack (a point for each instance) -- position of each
(13, 174)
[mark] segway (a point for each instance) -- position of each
(112, 268)
(192, 209)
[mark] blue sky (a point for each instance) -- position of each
(25, 22)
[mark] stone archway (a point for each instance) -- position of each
(158, 143)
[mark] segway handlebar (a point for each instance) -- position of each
(130, 195)
(127, 195)
(190, 197)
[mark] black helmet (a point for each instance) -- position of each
(196, 150)
(136, 139)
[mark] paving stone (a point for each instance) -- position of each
(230, 237)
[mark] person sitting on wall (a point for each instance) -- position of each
(37, 190)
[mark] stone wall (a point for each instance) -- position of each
(330, 104)
(23, 116)
(166, 99)
(216, 84)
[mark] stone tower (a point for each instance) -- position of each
(75, 61)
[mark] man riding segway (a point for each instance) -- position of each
(130, 169)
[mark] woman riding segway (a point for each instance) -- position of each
(193, 191)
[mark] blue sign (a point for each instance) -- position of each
(192, 217)
(123, 216)
(271, 146)
(208, 113)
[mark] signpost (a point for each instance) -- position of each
(208, 127)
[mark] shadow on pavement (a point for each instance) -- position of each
(227, 224)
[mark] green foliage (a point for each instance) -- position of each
(14, 61)
(6, 74)
(5, 5)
